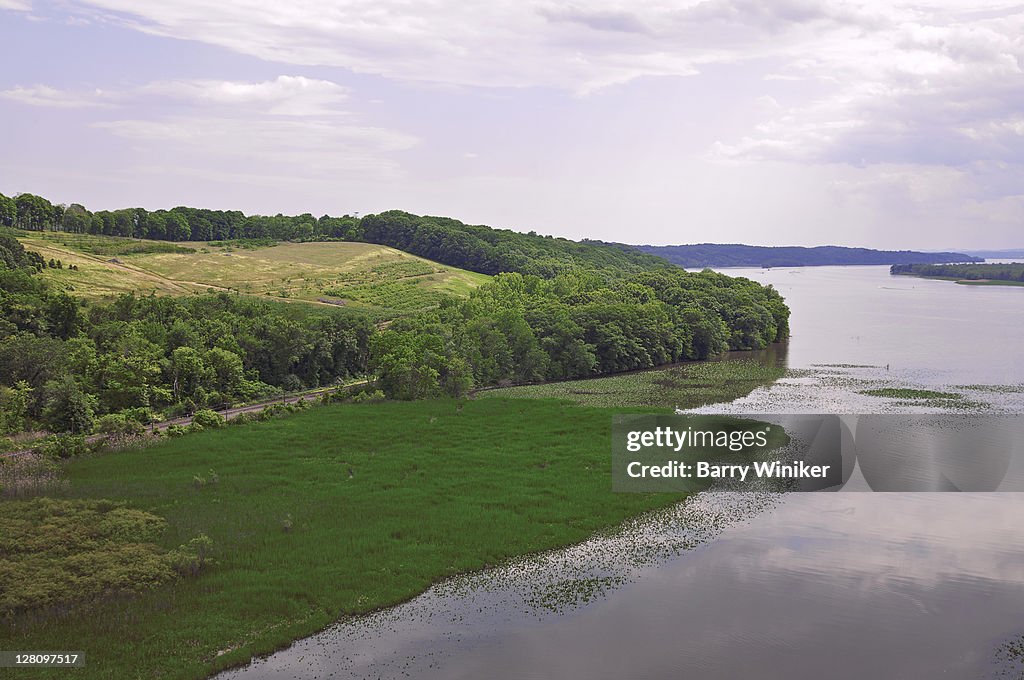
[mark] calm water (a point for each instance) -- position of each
(847, 585)
(938, 329)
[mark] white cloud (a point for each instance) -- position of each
(43, 95)
(902, 76)
(291, 125)
(16, 5)
(286, 95)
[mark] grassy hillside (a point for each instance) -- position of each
(360, 275)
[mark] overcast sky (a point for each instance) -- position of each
(885, 124)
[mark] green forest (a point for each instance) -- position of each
(1010, 273)
(71, 366)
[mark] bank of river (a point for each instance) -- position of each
(845, 585)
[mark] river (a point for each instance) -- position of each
(727, 585)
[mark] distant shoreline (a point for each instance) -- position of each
(740, 255)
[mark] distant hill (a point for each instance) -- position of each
(738, 255)
(997, 254)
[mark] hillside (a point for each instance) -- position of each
(377, 278)
(477, 248)
(738, 255)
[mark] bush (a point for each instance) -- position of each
(99, 549)
(176, 431)
(368, 397)
(64, 446)
(118, 423)
(205, 418)
(189, 560)
(244, 418)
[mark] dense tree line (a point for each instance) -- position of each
(737, 255)
(64, 363)
(525, 328)
(445, 240)
(968, 272)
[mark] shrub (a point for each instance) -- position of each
(368, 397)
(63, 446)
(105, 549)
(117, 423)
(176, 431)
(189, 559)
(207, 418)
(244, 418)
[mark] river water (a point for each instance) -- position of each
(729, 585)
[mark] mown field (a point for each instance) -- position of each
(359, 275)
(332, 512)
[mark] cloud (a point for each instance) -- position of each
(602, 20)
(43, 95)
(16, 5)
(291, 125)
(907, 78)
(286, 95)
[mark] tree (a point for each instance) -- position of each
(227, 374)
(76, 219)
(34, 213)
(14, 407)
(68, 408)
(188, 373)
(8, 211)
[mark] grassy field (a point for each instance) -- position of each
(335, 511)
(359, 275)
(684, 386)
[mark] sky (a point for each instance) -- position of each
(885, 124)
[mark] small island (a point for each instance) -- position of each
(969, 274)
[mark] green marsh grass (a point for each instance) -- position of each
(333, 512)
(685, 386)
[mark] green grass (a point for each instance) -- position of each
(684, 386)
(378, 279)
(104, 246)
(331, 512)
(909, 393)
